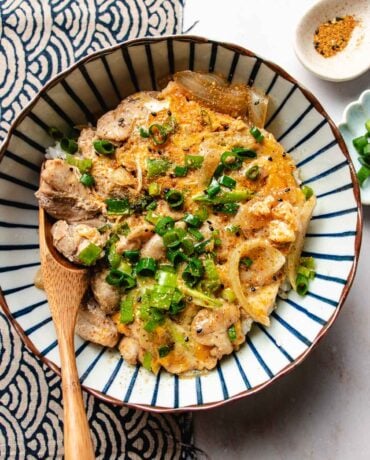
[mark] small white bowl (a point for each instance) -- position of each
(354, 59)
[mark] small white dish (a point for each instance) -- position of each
(354, 59)
(353, 125)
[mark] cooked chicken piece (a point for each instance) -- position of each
(107, 296)
(63, 196)
(129, 349)
(112, 180)
(85, 143)
(93, 325)
(117, 124)
(164, 210)
(209, 327)
(154, 248)
(71, 239)
(136, 238)
(280, 232)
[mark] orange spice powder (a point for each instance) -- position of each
(333, 36)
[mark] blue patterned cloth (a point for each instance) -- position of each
(39, 38)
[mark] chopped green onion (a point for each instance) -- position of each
(180, 171)
(176, 257)
(227, 181)
(307, 191)
(196, 234)
(69, 145)
(55, 133)
(211, 281)
(119, 278)
(147, 361)
(231, 332)
(144, 133)
(126, 311)
(156, 318)
(366, 150)
(362, 174)
(154, 189)
(84, 165)
(234, 197)
(167, 268)
(104, 147)
(164, 351)
(158, 134)
(256, 133)
(175, 198)
(117, 206)
(171, 239)
(90, 254)
(192, 220)
(244, 152)
(200, 298)
(163, 225)
(187, 246)
(302, 285)
(308, 262)
(359, 143)
(219, 170)
(114, 258)
(228, 295)
(177, 303)
(233, 229)
(157, 167)
(193, 272)
(132, 255)
(166, 278)
(367, 125)
(231, 160)
(246, 261)
(253, 173)
(227, 208)
(152, 206)
(364, 161)
(201, 247)
(213, 189)
(161, 297)
(87, 180)
(202, 213)
(147, 266)
(194, 161)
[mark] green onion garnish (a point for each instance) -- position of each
(171, 239)
(147, 361)
(89, 255)
(154, 189)
(174, 198)
(163, 225)
(196, 234)
(244, 153)
(117, 206)
(307, 191)
(213, 189)
(84, 164)
(187, 246)
(367, 125)
(227, 181)
(359, 143)
(177, 304)
(55, 133)
(227, 208)
(104, 147)
(366, 150)
(176, 257)
(156, 317)
(126, 311)
(87, 180)
(192, 220)
(161, 297)
(230, 160)
(231, 332)
(199, 248)
(164, 351)
(117, 277)
(166, 277)
(132, 255)
(246, 261)
(180, 171)
(228, 295)
(193, 272)
(114, 258)
(202, 213)
(157, 167)
(194, 161)
(151, 206)
(211, 281)
(146, 266)
(69, 145)
(253, 173)
(362, 174)
(158, 134)
(144, 133)
(256, 133)
(302, 285)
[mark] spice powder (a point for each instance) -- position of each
(333, 36)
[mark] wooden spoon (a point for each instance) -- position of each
(65, 285)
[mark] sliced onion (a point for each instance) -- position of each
(295, 253)
(257, 305)
(215, 92)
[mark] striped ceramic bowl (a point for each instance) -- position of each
(95, 85)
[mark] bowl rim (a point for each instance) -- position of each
(338, 137)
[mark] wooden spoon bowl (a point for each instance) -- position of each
(65, 285)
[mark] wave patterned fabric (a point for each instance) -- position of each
(39, 38)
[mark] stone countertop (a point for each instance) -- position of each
(321, 410)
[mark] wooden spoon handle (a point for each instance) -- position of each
(77, 439)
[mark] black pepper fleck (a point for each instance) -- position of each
(186, 339)
(199, 330)
(189, 299)
(287, 189)
(139, 299)
(154, 114)
(284, 154)
(169, 113)
(280, 199)
(269, 158)
(166, 190)
(253, 289)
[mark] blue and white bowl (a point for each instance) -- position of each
(96, 84)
